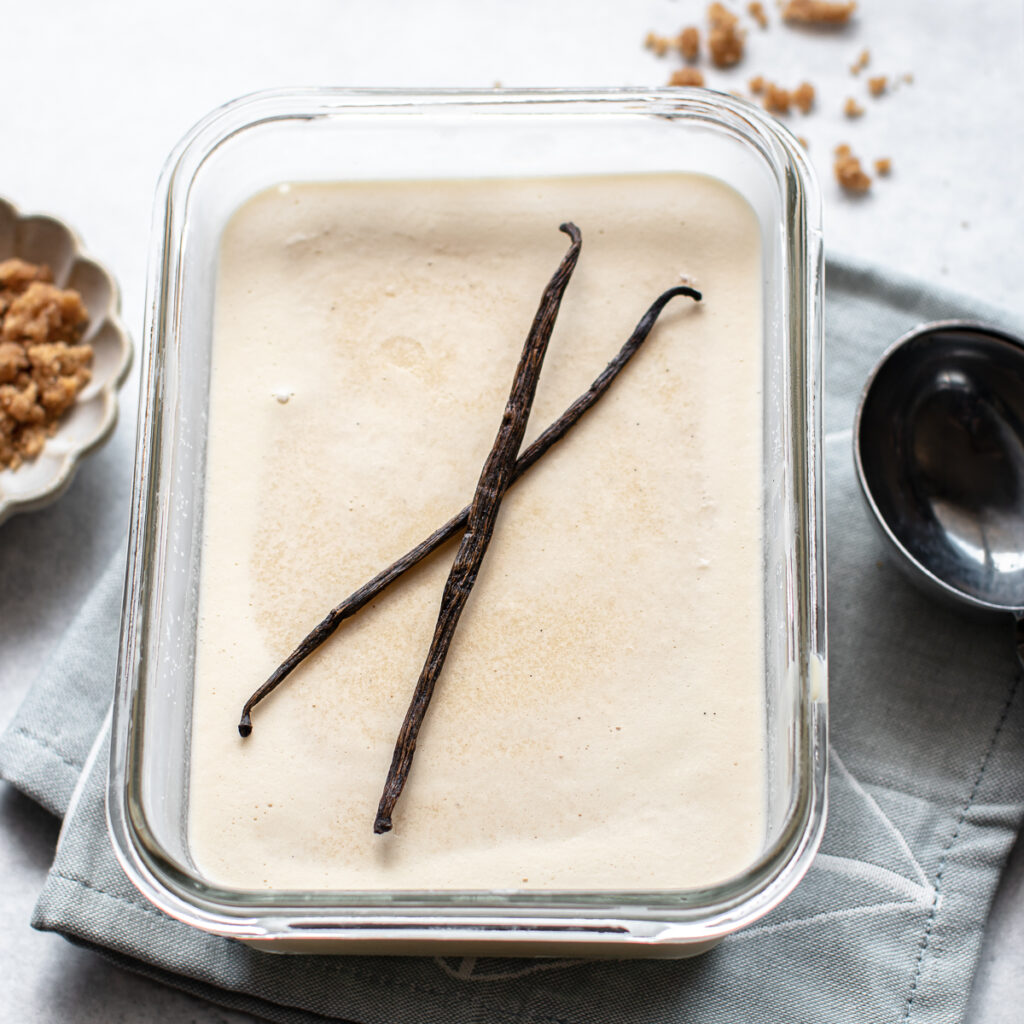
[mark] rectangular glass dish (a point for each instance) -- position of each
(316, 163)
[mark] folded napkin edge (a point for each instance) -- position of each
(38, 769)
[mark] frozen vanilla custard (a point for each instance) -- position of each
(600, 721)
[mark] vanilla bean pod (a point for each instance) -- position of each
(495, 479)
(358, 599)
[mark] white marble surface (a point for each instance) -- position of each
(95, 95)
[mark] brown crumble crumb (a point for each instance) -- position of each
(719, 16)
(757, 12)
(908, 77)
(883, 166)
(42, 366)
(862, 61)
(658, 44)
(725, 40)
(851, 108)
(776, 99)
(16, 275)
(756, 85)
(849, 173)
(877, 85)
(687, 76)
(688, 42)
(803, 142)
(803, 97)
(818, 12)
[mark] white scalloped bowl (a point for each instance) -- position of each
(92, 418)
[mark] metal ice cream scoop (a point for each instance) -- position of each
(939, 449)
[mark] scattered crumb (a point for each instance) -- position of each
(877, 85)
(688, 42)
(776, 99)
(725, 39)
(725, 43)
(757, 12)
(849, 173)
(803, 97)
(42, 366)
(687, 76)
(719, 16)
(862, 61)
(818, 12)
(803, 142)
(659, 44)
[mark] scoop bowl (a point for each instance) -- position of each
(939, 453)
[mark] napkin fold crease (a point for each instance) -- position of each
(926, 795)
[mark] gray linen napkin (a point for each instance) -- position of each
(926, 791)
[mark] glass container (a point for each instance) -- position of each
(373, 135)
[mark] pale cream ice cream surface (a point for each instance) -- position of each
(599, 723)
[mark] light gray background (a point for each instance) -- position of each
(94, 95)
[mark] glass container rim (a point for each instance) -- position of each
(688, 915)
